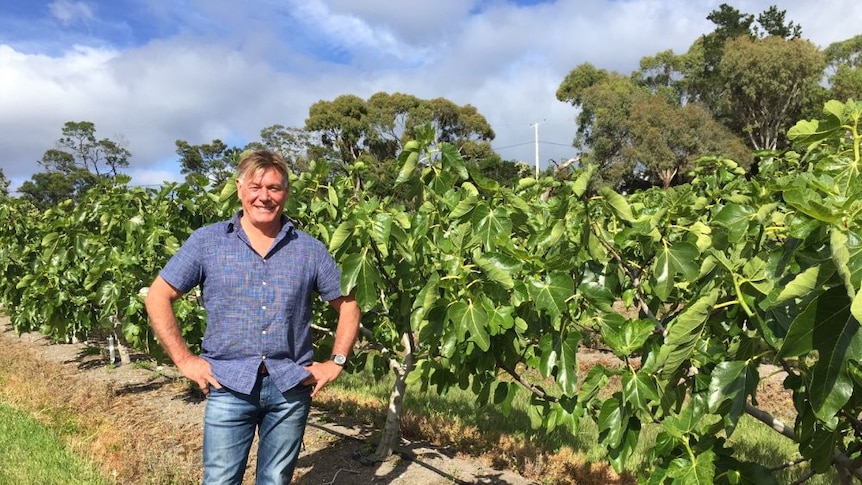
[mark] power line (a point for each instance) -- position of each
(513, 146)
(568, 145)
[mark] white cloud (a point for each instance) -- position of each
(69, 12)
(414, 22)
(39, 93)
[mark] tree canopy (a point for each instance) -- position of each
(292, 143)
(844, 68)
(4, 185)
(736, 90)
(368, 135)
(207, 165)
(378, 127)
(78, 162)
(769, 84)
(637, 137)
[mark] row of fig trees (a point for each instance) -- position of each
(495, 288)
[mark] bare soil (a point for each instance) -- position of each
(146, 422)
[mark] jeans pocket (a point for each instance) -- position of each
(214, 390)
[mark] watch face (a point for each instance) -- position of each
(339, 359)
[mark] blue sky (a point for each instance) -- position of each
(149, 72)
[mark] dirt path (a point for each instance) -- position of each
(156, 417)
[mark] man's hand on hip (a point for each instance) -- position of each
(198, 371)
(322, 373)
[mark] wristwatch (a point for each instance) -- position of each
(339, 359)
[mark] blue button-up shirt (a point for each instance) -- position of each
(258, 308)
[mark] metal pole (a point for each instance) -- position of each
(536, 131)
(536, 126)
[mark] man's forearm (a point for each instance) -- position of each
(348, 326)
(159, 305)
(167, 330)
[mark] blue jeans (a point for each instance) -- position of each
(230, 421)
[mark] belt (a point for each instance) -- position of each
(262, 370)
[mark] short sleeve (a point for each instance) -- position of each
(328, 276)
(184, 270)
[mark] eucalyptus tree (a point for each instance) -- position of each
(504, 172)
(208, 164)
(78, 161)
(4, 185)
(604, 100)
(292, 143)
(380, 126)
(769, 84)
(393, 120)
(103, 157)
(638, 137)
(49, 188)
(753, 73)
(665, 139)
(341, 124)
(844, 68)
(704, 80)
(366, 136)
(462, 126)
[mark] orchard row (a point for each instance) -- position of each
(474, 284)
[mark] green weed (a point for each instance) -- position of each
(34, 455)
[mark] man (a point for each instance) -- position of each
(257, 274)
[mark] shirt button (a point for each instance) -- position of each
(262, 357)
(264, 332)
(264, 283)
(263, 307)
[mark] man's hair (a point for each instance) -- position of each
(253, 161)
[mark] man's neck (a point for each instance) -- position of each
(270, 230)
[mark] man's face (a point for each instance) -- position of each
(262, 194)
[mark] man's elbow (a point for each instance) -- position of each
(159, 295)
(347, 305)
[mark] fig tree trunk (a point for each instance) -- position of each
(392, 429)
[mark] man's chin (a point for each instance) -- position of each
(262, 217)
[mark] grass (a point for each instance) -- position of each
(454, 420)
(35, 454)
(92, 422)
(457, 421)
(758, 443)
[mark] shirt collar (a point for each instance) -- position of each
(286, 225)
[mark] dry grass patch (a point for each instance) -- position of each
(98, 422)
(494, 449)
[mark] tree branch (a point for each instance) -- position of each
(635, 281)
(538, 391)
(770, 421)
(839, 459)
(854, 422)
